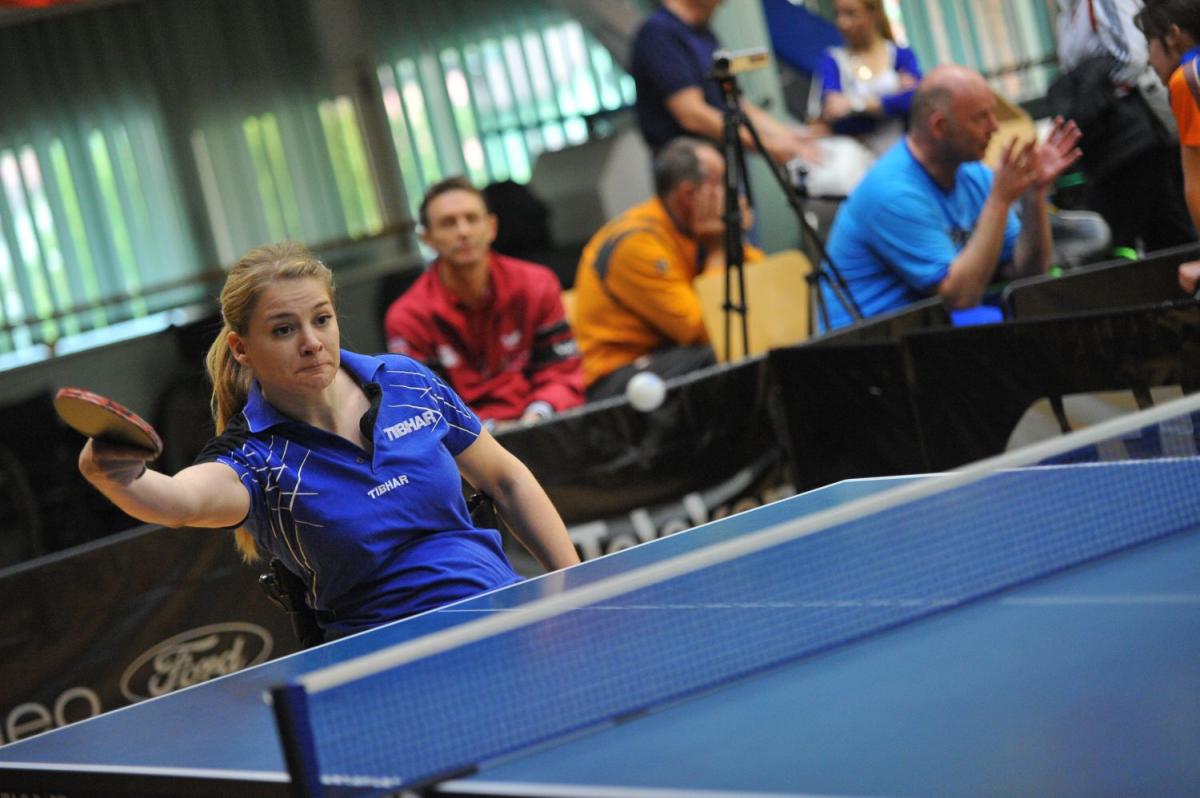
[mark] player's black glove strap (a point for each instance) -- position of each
(287, 592)
(483, 511)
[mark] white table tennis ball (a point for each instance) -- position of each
(646, 391)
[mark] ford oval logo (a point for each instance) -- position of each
(195, 656)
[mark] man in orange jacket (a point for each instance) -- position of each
(635, 306)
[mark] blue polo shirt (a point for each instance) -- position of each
(667, 56)
(375, 535)
(894, 238)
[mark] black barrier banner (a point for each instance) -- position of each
(848, 412)
(1117, 284)
(115, 622)
(756, 483)
(620, 477)
(973, 385)
(889, 326)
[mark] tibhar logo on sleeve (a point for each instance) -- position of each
(384, 487)
(402, 428)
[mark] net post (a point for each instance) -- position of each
(289, 703)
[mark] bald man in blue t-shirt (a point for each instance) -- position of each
(930, 220)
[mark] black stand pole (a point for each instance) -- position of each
(735, 175)
(836, 282)
(735, 172)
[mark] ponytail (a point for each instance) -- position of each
(231, 380)
(231, 387)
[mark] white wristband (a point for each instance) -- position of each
(540, 408)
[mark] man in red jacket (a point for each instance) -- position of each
(493, 326)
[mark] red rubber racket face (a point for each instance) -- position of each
(97, 416)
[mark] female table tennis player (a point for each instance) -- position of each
(345, 467)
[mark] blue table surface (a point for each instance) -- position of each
(1085, 683)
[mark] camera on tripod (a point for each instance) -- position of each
(800, 179)
(727, 63)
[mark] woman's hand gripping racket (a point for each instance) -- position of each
(123, 440)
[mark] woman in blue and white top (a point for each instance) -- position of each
(346, 467)
(867, 84)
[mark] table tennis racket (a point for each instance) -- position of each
(97, 416)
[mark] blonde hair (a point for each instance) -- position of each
(244, 284)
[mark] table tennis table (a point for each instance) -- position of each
(1065, 661)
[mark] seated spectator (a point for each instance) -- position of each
(670, 61)
(866, 93)
(867, 84)
(1172, 30)
(930, 219)
(635, 306)
(1131, 157)
(494, 326)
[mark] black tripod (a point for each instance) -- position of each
(733, 119)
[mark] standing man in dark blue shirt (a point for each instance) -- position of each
(671, 60)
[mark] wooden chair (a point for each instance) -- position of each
(568, 300)
(777, 298)
(1014, 123)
